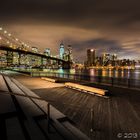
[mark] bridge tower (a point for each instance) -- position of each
(66, 65)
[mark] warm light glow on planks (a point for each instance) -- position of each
(48, 79)
(86, 88)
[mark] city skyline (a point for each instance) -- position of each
(65, 52)
(107, 26)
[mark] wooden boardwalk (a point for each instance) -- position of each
(24, 115)
(118, 115)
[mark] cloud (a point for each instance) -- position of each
(105, 25)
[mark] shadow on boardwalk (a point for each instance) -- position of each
(113, 118)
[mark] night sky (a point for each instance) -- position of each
(106, 25)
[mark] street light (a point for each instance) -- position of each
(9, 34)
(11, 45)
(5, 32)
(8, 42)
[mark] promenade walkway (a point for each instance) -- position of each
(24, 115)
(113, 118)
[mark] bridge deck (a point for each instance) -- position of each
(118, 114)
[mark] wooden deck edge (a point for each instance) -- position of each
(87, 89)
(49, 79)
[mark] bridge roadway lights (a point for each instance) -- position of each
(9, 56)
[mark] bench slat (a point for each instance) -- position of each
(13, 87)
(54, 114)
(3, 86)
(7, 104)
(49, 79)
(87, 88)
(35, 107)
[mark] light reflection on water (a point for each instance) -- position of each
(133, 74)
(67, 71)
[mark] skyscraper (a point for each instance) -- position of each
(61, 51)
(69, 53)
(90, 57)
(106, 58)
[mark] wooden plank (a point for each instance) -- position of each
(23, 88)
(118, 114)
(7, 104)
(3, 86)
(49, 79)
(12, 86)
(54, 114)
(14, 129)
(53, 135)
(74, 130)
(86, 88)
(64, 130)
(30, 110)
(43, 104)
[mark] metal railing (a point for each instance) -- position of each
(125, 82)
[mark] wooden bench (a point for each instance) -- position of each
(28, 108)
(91, 90)
(66, 127)
(49, 79)
(33, 107)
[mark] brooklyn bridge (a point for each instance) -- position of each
(14, 52)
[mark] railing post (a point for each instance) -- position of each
(48, 117)
(92, 115)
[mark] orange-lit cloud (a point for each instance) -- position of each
(108, 26)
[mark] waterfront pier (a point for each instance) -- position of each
(27, 116)
(108, 118)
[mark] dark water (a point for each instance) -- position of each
(127, 78)
(130, 74)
